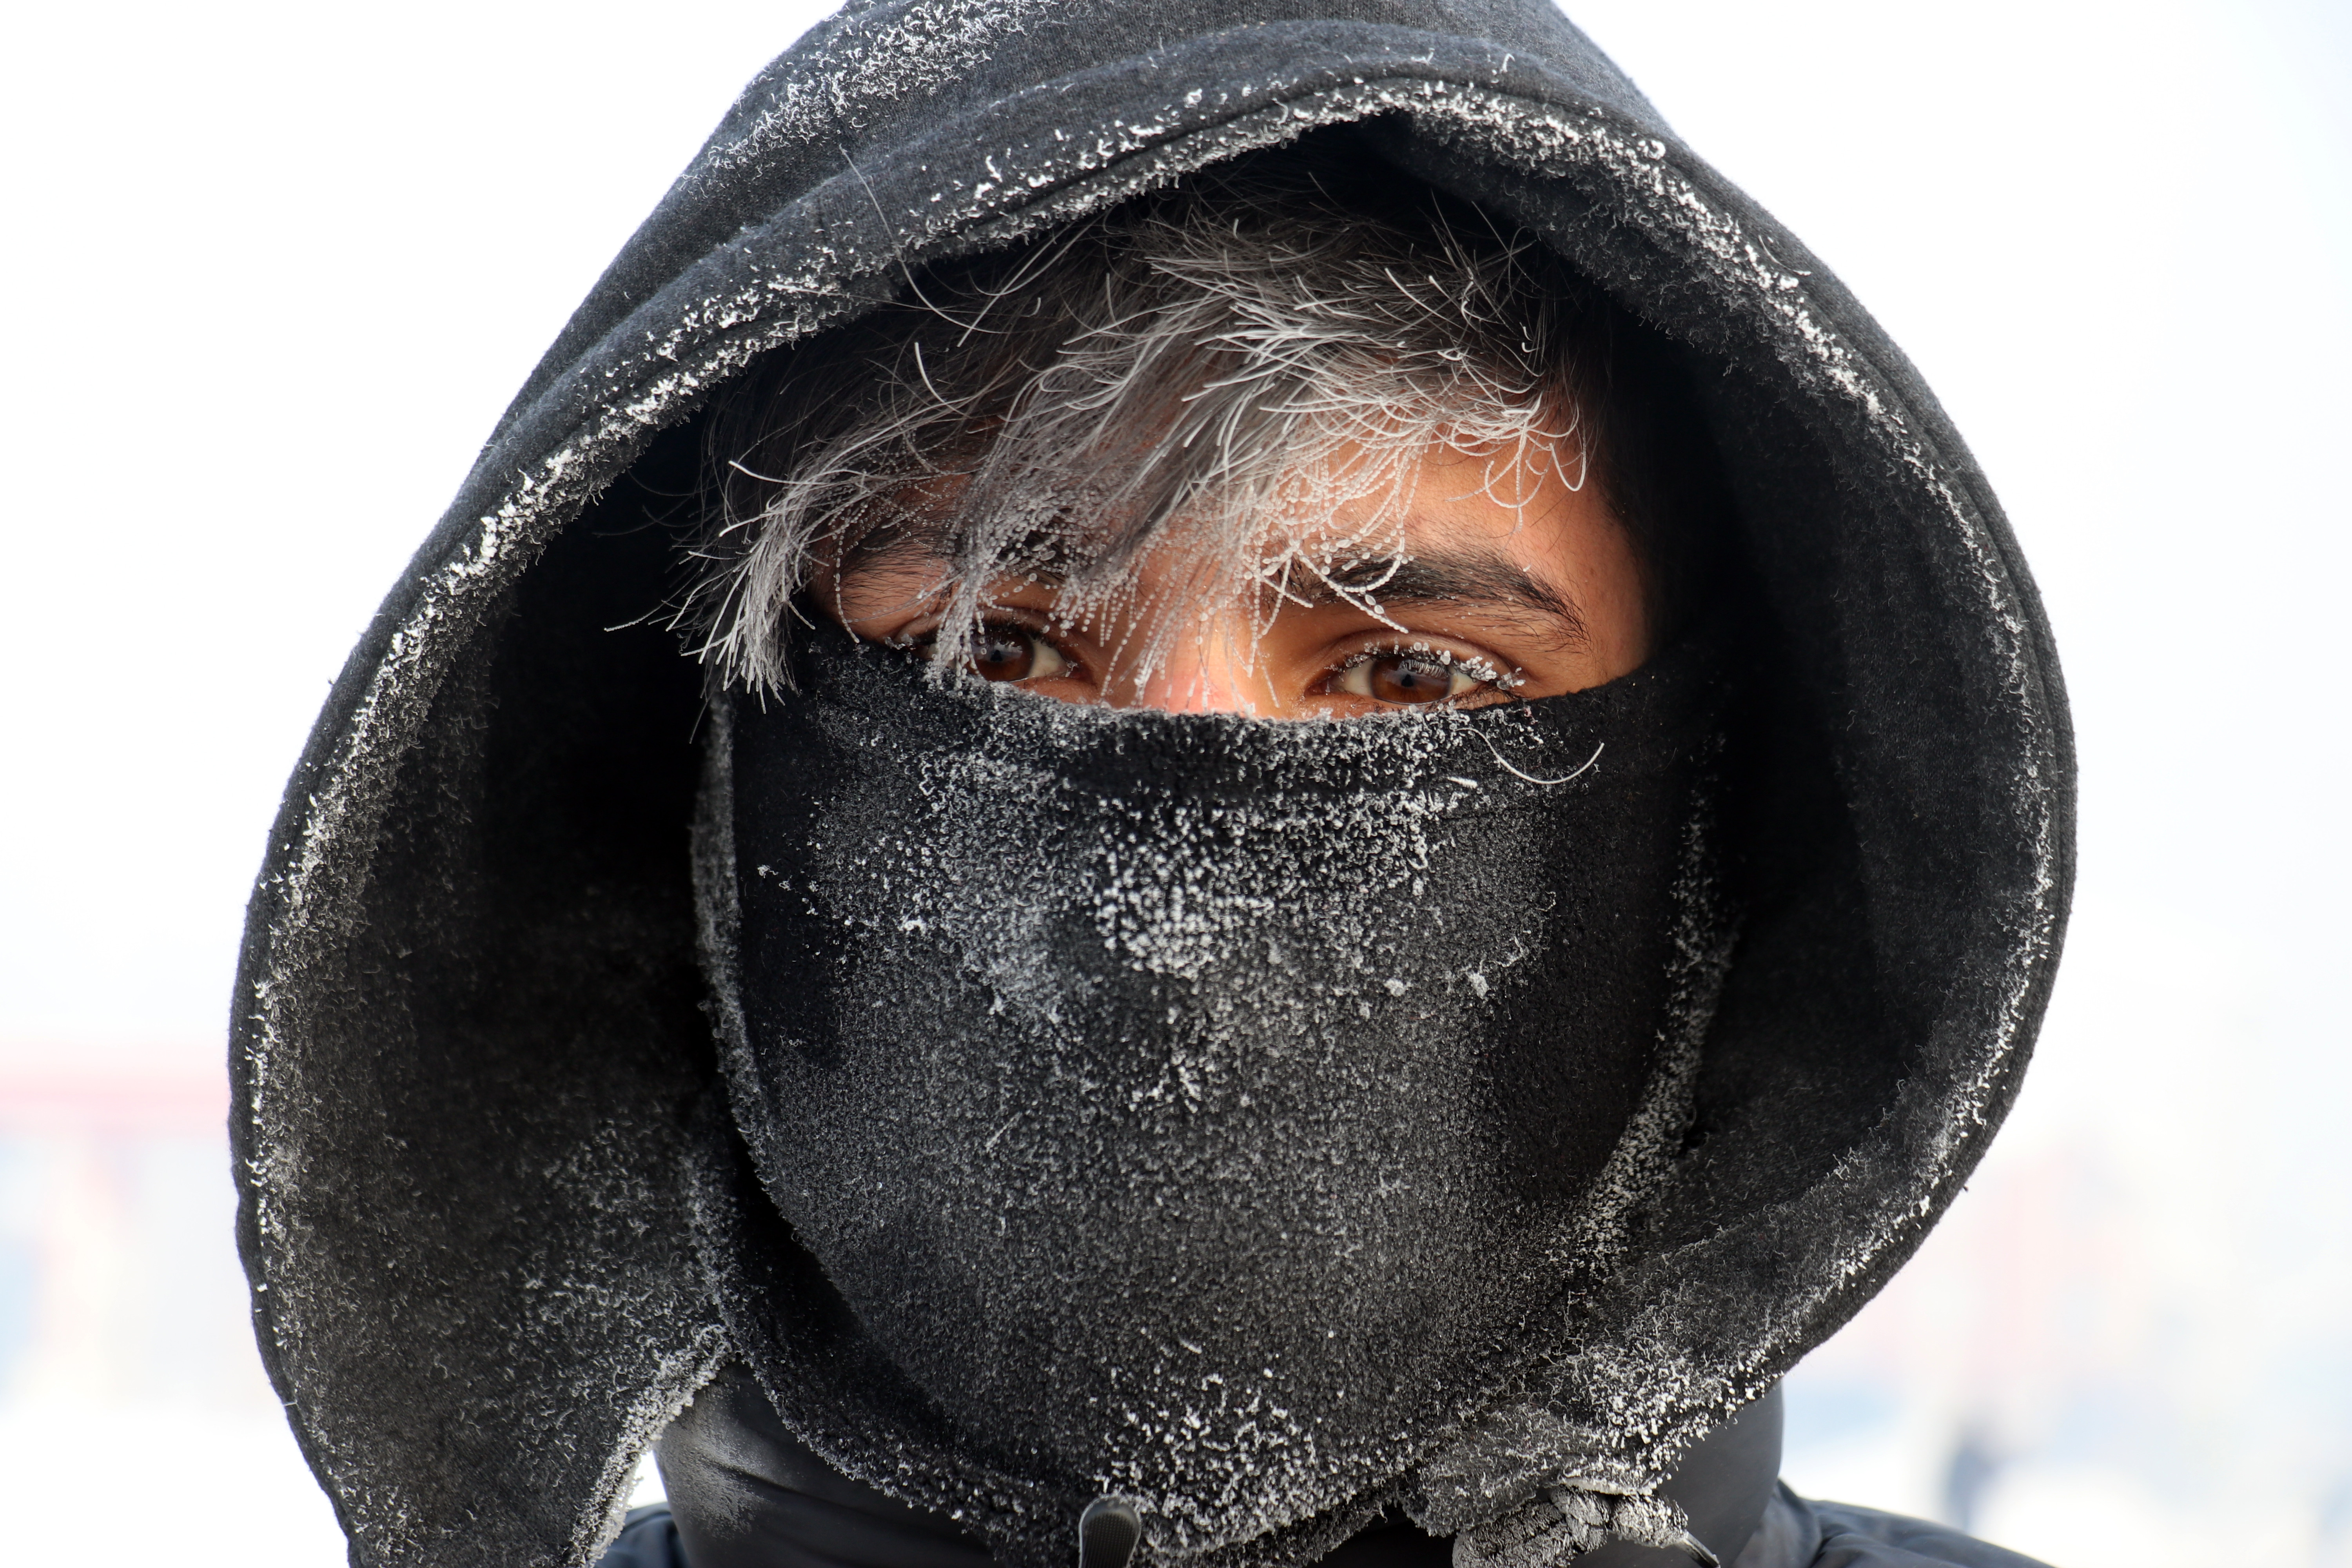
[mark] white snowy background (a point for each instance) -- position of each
(271, 270)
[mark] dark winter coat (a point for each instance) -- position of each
(755, 1498)
(469, 1041)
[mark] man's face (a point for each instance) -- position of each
(1504, 576)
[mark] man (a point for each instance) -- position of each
(1378, 814)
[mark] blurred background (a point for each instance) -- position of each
(277, 267)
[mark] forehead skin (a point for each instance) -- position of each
(1512, 569)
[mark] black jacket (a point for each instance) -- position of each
(469, 1046)
(758, 1499)
(1795, 1534)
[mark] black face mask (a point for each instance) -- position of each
(1197, 1109)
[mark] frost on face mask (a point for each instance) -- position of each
(1194, 1107)
(1240, 382)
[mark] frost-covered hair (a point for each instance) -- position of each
(1232, 379)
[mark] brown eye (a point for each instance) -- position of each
(1406, 680)
(1402, 679)
(1007, 652)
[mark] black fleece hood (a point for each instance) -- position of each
(482, 1142)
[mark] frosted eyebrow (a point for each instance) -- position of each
(1444, 577)
(892, 544)
(1469, 578)
(902, 543)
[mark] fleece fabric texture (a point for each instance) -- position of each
(469, 1047)
(1207, 1110)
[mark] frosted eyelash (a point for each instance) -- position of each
(1477, 668)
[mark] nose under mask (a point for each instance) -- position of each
(1202, 1110)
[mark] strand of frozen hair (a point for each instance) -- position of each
(1234, 384)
